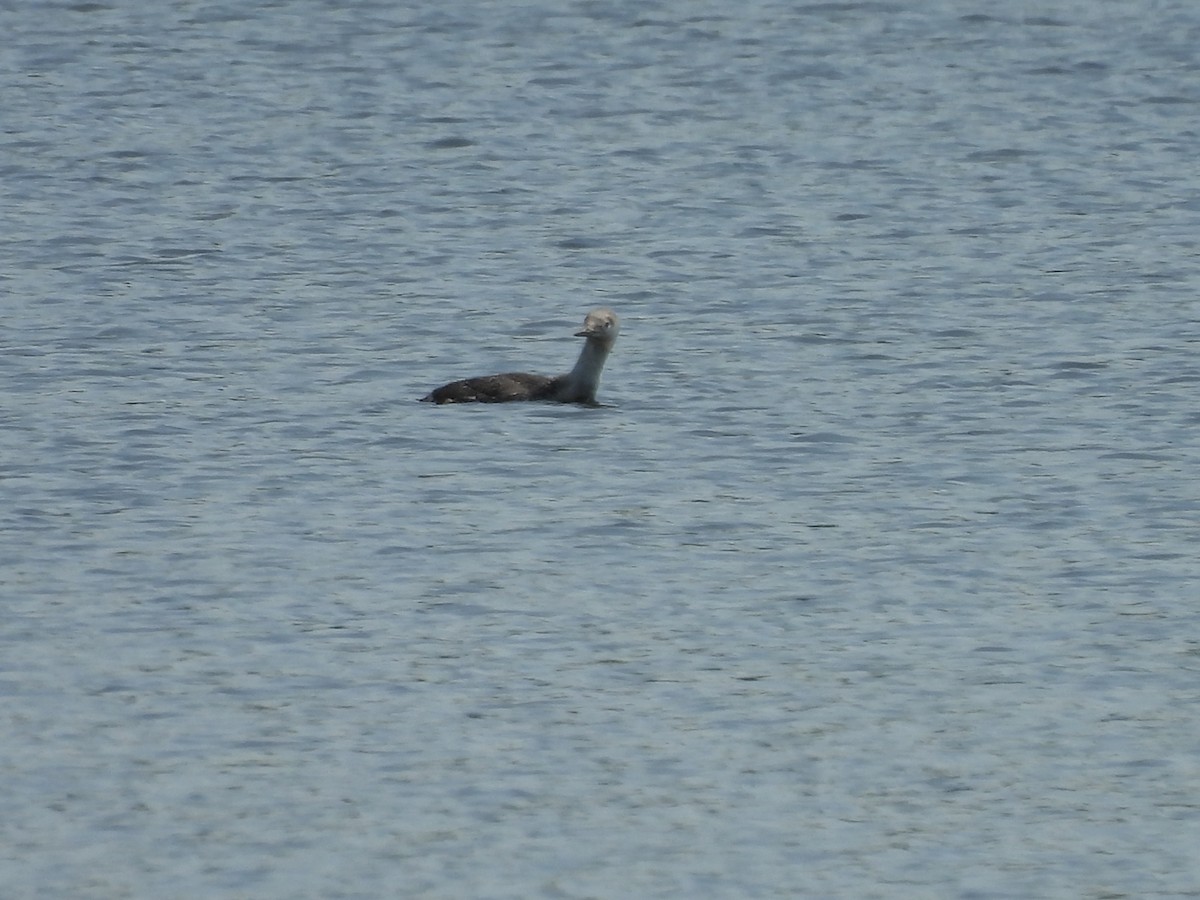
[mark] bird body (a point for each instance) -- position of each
(600, 328)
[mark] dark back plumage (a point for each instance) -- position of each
(503, 388)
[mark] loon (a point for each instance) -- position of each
(577, 386)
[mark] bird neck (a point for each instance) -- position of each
(583, 380)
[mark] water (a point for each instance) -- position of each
(874, 577)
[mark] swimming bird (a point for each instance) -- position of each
(577, 386)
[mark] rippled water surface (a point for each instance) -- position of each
(874, 576)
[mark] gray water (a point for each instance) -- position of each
(874, 576)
